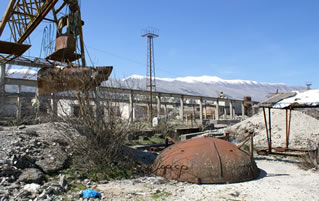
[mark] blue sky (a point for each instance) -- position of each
(261, 40)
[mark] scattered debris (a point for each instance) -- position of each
(32, 188)
(89, 193)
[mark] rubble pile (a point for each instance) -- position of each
(27, 155)
(304, 130)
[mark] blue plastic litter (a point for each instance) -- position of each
(89, 193)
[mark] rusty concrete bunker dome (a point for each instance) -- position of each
(205, 160)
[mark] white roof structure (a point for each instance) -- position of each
(309, 98)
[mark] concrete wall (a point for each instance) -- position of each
(131, 105)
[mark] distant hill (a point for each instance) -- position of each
(202, 85)
(211, 86)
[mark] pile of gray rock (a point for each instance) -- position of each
(28, 154)
(33, 160)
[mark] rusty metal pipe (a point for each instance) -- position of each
(269, 127)
(288, 122)
(289, 125)
(266, 126)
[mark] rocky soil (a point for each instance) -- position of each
(32, 160)
(28, 156)
(279, 179)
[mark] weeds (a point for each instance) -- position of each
(98, 153)
(161, 195)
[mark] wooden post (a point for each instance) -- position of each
(217, 110)
(289, 126)
(266, 127)
(181, 108)
(269, 127)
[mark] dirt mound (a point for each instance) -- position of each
(304, 129)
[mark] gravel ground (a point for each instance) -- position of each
(279, 179)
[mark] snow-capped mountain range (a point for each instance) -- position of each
(201, 86)
(212, 86)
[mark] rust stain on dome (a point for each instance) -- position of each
(205, 160)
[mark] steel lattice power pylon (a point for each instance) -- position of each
(150, 33)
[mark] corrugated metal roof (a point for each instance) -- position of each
(309, 98)
(275, 99)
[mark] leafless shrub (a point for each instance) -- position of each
(97, 118)
(167, 127)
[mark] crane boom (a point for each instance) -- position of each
(23, 16)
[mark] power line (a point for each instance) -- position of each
(118, 56)
(130, 60)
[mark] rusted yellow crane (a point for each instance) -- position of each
(23, 16)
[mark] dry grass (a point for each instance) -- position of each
(102, 137)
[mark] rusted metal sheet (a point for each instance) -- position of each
(64, 55)
(65, 46)
(13, 48)
(205, 160)
(65, 42)
(53, 80)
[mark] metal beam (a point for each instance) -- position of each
(7, 15)
(40, 16)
